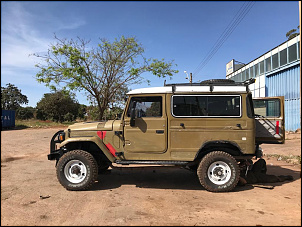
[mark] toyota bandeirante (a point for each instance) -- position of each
(208, 127)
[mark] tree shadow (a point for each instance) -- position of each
(169, 177)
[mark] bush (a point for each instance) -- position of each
(58, 107)
(25, 113)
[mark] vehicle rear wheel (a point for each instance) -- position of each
(77, 170)
(218, 171)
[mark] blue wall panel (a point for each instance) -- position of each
(292, 114)
(7, 119)
(287, 83)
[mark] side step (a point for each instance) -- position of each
(127, 162)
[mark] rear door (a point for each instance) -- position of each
(269, 115)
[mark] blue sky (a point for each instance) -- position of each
(183, 31)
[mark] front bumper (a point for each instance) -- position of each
(55, 153)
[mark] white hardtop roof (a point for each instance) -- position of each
(181, 89)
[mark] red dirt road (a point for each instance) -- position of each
(135, 195)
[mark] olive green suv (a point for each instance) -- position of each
(208, 127)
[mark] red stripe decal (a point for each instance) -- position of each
(111, 149)
(101, 134)
(277, 127)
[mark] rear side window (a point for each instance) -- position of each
(206, 106)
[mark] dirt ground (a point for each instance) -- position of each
(135, 195)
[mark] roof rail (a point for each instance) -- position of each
(224, 82)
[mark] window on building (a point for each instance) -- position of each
(283, 57)
(268, 64)
(256, 69)
(234, 78)
(275, 61)
(239, 76)
(243, 76)
(252, 72)
(292, 53)
(298, 50)
(261, 66)
(201, 106)
(247, 74)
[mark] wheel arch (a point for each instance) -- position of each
(229, 147)
(91, 145)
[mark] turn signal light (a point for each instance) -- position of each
(61, 137)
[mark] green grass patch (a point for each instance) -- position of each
(33, 123)
(290, 158)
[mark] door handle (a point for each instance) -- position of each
(160, 131)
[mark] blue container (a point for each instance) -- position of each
(8, 119)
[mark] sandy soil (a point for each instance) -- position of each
(135, 195)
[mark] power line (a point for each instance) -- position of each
(223, 39)
(245, 8)
(223, 34)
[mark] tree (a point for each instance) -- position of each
(25, 113)
(292, 33)
(12, 98)
(102, 71)
(58, 106)
(82, 110)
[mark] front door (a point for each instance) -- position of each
(269, 115)
(148, 134)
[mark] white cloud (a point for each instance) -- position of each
(24, 32)
(21, 35)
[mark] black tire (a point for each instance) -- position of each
(77, 170)
(219, 81)
(218, 171)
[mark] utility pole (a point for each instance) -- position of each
(190, 79)
(300, 57)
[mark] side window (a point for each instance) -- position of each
(267, 108)
(201, 106)
(224, 106)
(189, 106)
(147, 106)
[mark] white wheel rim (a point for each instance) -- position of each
(75, 171)
(219, 172)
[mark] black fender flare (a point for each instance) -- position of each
(228, 146)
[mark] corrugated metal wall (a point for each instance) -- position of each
(287, 83)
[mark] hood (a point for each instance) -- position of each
(92, 126)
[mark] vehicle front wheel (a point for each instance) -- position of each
(218, 171)
(77, 170)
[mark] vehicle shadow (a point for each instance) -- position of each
(170, 177)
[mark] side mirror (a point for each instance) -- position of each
(118, 116)
(132, 113)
